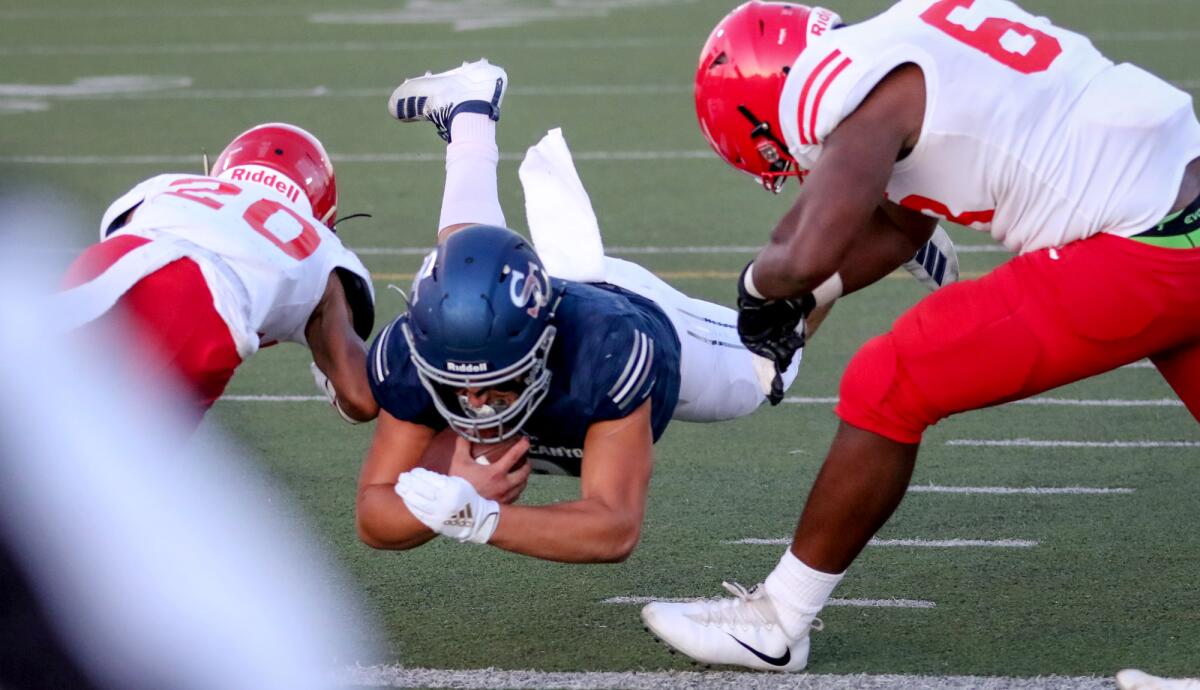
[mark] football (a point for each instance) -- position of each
(487, 453)
(440, 451)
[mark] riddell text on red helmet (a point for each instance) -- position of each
(276, 181)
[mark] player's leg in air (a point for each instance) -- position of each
(720, 378)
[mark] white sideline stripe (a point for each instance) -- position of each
(696, 249)
(192, 159)
(1018, 490)
(861, 603)
(1062, 402)
(918, 543)
(333, 46)
(1034, 443)
(371, 92)
(397, 676)
(272, 398)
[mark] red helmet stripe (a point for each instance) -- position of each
(812, 77)
(812, 119)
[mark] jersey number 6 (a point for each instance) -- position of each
(1012, 43)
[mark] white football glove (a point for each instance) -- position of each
(326, 387)
(935, 264)
(448, 505)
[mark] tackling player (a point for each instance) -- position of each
(206, 269)
(497, 345)
(977, 112)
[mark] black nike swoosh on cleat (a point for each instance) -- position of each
(772, 660)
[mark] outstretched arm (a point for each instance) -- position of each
(604, 525)
(383, 520)
(340, 354)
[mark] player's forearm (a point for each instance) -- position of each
(384, 522)
(583, 531)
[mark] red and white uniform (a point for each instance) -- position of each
(1032, 135)
(1029, 133)
(263, 259)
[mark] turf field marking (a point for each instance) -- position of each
(1018, 490)
(915, 543)
(614, 43)
(655, 250)
(860, 603)
(470, 15)
(397, 676)
(192, 159)
(380, 92)
(273, 398)
(1060, 402)
(1036, 443)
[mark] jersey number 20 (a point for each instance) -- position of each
(256, 216)
(1012, 43)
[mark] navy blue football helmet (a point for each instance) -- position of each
(481, 317)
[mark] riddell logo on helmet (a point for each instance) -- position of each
(819, 21)
(265, 177)
(467, 367)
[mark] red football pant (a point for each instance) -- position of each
(173, 319)
(1037, 322)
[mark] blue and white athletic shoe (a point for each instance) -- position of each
(476, 87)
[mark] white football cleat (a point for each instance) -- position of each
(1132, 679)
(476, 87)
(743, 631)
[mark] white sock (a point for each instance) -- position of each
(471, 194)
(798, 593)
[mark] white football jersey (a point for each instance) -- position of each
(1029, 132)
(265, 257)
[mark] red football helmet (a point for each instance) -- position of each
(742, 69)
(289, 151)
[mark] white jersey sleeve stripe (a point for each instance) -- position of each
(633, 358)
(381, 368)
(638, 374)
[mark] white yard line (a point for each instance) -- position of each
(915, 543)
(859, 603)
(1038, 443)
(1019, 490)
(271, 398)
(655, 250)
(1059, 402)
(193, 159)
(616, 44)
(396, 676)
(380, 92)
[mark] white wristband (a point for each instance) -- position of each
(827, 292)
(748, 283)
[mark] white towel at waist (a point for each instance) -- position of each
(561, 221)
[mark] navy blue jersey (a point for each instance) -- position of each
(613, 351)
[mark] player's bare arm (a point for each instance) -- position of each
(340, 353)
(382, 519)
(604, 525)
(840, 199)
